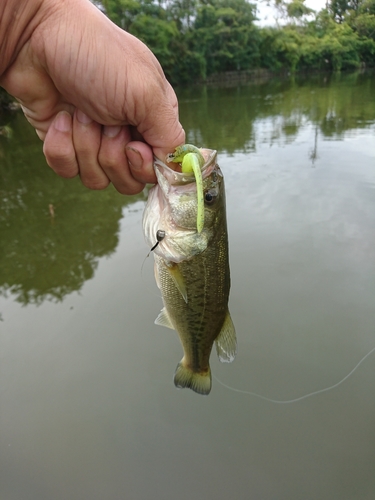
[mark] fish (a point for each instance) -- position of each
(192, 267)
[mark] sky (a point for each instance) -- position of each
(267, 15)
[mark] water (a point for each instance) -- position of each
(87, 404)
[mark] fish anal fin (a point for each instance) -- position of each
(199, 382)
(178, 279)
(226, 342)
(163, 319)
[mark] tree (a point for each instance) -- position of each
(296, 9)
(193, 39)
(338, 9)
(364, 24)
(225, 35)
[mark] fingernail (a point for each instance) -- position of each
(63, 122)
(82, 118)
(111, 130)
(134, 157)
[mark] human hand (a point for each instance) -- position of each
(96, 95)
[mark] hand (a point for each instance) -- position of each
(96, 95)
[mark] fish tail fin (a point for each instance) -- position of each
(199, 382)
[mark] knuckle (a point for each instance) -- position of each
(129, 190)
(59, 156)
(84, 150)
(58, 150)
(67, 173)
(109, 163)
(95, 184)
(111, 154)
(64, 167)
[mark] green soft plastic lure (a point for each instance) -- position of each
(192, 160)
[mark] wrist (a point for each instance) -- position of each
(18, 20)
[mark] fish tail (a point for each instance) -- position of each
(199, 382)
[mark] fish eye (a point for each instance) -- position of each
(210, 196)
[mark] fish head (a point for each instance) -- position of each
(172, 208)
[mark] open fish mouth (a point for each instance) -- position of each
(168, 177)
(174, 194)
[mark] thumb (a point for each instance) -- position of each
(160, 127)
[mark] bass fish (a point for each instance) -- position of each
(192, 264)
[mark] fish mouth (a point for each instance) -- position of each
(174, 247)
(167, 177)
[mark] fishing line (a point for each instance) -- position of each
(300, 398)
(160, 235)
(152, 292)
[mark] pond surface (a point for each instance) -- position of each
(88, 409)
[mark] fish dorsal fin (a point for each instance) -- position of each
(163, 319)
(178, 279)
(226, 342)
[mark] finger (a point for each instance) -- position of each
(176, 138)
(58, 146)
(114, 162)
(160, 126)
(86, 140)
(141, 161)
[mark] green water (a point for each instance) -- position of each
(87, 403)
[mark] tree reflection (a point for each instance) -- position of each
(52, 230)
(227, 118)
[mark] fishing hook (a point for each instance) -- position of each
(160, 235)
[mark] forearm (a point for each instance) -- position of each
(18, 19)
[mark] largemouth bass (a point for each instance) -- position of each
(191, 267)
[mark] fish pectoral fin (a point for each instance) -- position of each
(226, 342)
(178, 279)
(199, 382)
(163, 319)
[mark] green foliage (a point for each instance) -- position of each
(367, 7)
(364, 24)
(122, 12)
(193, 39)
(338, 9)
(337, 49)
(158, 34)
(225, 36)
(293, 10)
(297, 9)
(344, 10)
(281, 48)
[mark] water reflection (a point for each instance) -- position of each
(53, 230)
(87, 405)
(237, 119)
